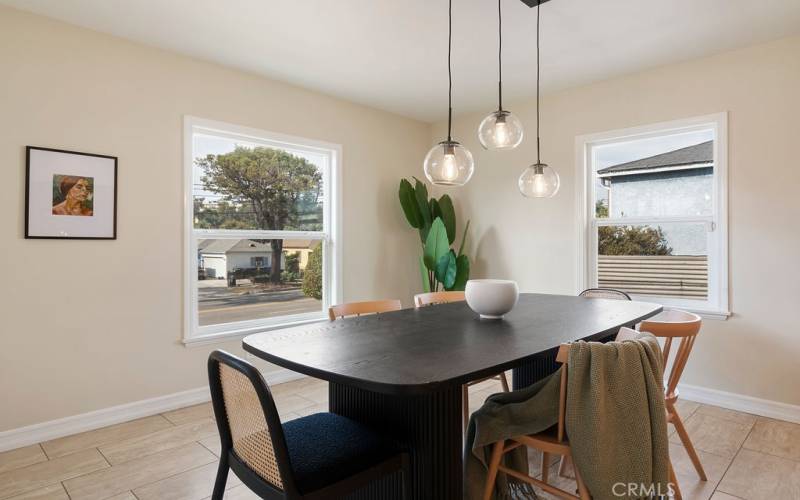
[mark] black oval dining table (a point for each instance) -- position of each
(401, 373)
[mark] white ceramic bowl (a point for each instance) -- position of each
(491, 298)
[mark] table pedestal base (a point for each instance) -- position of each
(540, 367)
(429, 425)
(544, 364)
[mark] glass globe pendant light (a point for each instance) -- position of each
(538, 180)
(449, 163)
(500, 130)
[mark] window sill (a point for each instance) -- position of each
(704, 310)
(238, 333)
(703, 313)
(717, 315)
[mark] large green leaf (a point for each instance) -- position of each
(423, 271)
(436, 244)
(462, 273)
(446, 269)
(435, 210)
(463, 240)
(421, 194)
(448, 215)
(408, 201)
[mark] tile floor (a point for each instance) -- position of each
(173, 456)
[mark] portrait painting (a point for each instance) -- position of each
(73, 195)
(70, 195)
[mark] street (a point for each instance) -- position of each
(219, 304)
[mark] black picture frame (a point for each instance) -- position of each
(28, 150)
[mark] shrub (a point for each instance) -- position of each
(288, 277)
(312, 277)
(632, 240)
(292, 263)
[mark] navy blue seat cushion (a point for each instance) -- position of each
(325, 448)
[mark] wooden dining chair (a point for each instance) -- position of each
(679, 327)
(553, 441)
(359, 308)
(604, 293)
(433, 298)
(319, 456)
(630, 334)
(593, 293)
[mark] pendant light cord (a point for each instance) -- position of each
(499, 57)
(538, 11)
(449, 72)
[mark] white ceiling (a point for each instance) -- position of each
(391, 54)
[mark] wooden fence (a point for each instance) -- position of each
(662, 275)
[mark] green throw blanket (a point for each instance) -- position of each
(615, 420)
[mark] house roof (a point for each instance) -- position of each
(209, 246)
(699, 154)
(215, 246)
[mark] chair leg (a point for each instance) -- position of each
(494, 464)
(465, 406)
(687, 443)
(674, 480)
(222, 478)
(545, 466)
(504, 382)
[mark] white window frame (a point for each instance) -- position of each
(717, 305)
(330, 236)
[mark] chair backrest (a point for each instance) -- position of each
(674, 324)
(562, 357)
(604, 293)
(359, 308)
(249, 426)
(432, 298)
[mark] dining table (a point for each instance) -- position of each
(400, 373)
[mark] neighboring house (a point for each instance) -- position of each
(676, 183)
(303, 247)
(219, 257)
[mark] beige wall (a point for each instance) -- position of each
(88, 325)
(756, 351)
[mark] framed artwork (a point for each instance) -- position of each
(70, 195)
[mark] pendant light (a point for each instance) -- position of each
(449, 163)
(538, 180)
(500, 130)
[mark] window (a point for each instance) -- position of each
(654, 210)
(261, 229)
(261, 261)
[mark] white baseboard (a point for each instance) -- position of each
(53, 429)
(740, 402)
(32, 434)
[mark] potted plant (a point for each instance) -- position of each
(439, 265)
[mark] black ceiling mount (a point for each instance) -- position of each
(533, 3)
